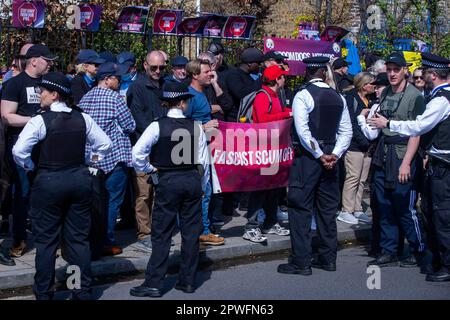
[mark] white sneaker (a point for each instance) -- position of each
(278, 230)
(347, 217)
(362, 217)
(254, 235)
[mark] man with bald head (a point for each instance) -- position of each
(143, 99)
(19, 102)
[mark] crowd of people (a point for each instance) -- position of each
(81, 149)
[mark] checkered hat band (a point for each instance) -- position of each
(434, 64)
(316, 65)
(66, 90)
(172, 95)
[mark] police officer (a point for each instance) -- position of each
(436, 122)
(178, 189)
(61, 193)
(323, 126)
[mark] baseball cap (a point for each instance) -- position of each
(89, 56)
(110, 69)
(274, 55)
(396, 58)
(273, 72)
(179, 61)
(215, 48)
(251, 54)
(40, 50)
(127, 58)
(340, 63)
(381, 79)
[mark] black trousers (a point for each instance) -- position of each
(178, 192)
(61, 203)
(440, 205)
(310, 185)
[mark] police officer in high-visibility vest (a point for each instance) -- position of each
(435, 124)
(178, 168)
(61, 193)
(323, 129)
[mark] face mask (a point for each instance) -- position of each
(128, 76)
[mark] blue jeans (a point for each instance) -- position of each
(205, 206)
(116, 182)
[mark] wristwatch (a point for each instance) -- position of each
(388, 123)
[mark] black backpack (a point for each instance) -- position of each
(246, 106)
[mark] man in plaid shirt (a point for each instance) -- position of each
(104, 104)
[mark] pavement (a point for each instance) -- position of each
(133, 259)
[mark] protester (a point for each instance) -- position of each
(324, 129)
(128, 59)
(143, 99)
(357, 161)
(178, 187)
(343, 79)
(240, 83)
(266, 108)
(199, 109)
(178, 69)
(107, 108)
(380, 82)
(418, 80)
(87, 62)
(19, 103)
(221, 103)
(61, 195)
(395, 174)
(217, 49)
(435, 121)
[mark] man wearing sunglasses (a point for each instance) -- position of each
(143, 99)
(19, 103)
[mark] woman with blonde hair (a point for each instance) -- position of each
(357, 160)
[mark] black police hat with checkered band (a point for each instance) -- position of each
(430, 60)
(175, 91)
(56, 81)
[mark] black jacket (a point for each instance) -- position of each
(143, 99)
(343, 81)
(354, 104)
(224, 101)
(239, 84)
(79, 87)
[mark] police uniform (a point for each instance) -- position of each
(435, 124)
(61, 193)
(323, 127)
(178, 187)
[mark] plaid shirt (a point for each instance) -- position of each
(111, 113)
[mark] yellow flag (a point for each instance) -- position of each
(413, 57)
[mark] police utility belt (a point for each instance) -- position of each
(153, 178)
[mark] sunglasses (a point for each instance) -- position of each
(154, 68)
(417, 78)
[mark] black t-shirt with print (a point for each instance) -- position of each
(21, 89)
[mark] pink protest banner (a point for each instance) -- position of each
(251, 156)
(296, 50)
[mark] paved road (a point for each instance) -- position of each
(260, 280)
